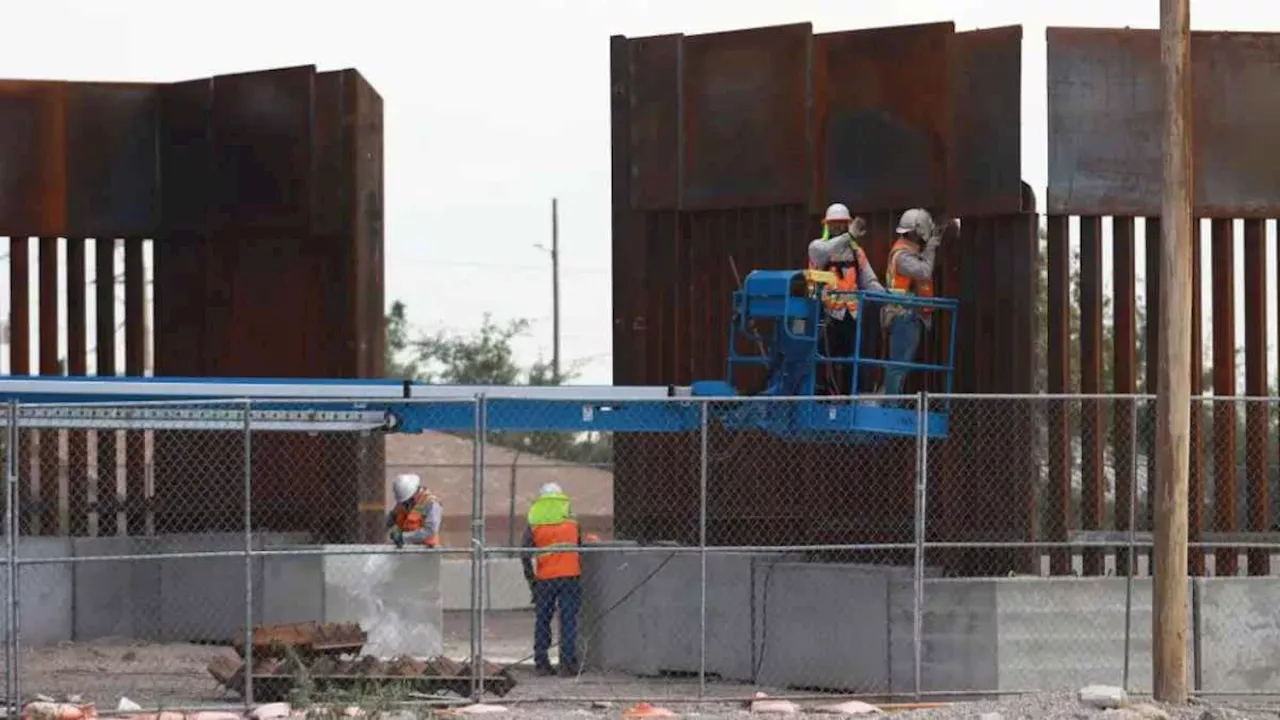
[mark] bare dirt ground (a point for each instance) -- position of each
(175, 676)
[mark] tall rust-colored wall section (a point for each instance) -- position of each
(726, 149)
(260, 197)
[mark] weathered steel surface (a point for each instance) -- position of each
(882, 106)
(1105, 102)
(1092, 433)
(77, 366)
(746, 103)
(655, 130)
(1060, 516)
(1224, 384)
(1256, 456)
(261, 125)
(1124, 376)
(113, 173)
(1196, 470)
(984, 149)
(45, 515)
(33, 175)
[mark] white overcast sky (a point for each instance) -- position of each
(491, 108)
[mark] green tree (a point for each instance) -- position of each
(486, 357)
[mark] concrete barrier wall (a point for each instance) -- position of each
(203, 599)
(506, 589)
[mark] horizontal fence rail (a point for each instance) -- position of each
(755, 547)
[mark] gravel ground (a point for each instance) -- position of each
(175, 675)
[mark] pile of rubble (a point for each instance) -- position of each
(326, 657)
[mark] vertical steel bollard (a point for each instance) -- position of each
(248, 555)
(1132, 540)
(917, 600)
(12, 691)
(482, 573)
(702, 552)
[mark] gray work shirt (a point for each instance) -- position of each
(841, 249)
(917, 265)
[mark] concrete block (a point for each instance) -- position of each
(292, 588)
(115, 598)
(44, 592)
(826, 626)
(505, 589)
(394, 596)
(1240, 634)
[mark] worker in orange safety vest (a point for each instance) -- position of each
(415, 519)
(909, 272)
(838, 252)
(554, 574)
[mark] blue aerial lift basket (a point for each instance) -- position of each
(788, 300)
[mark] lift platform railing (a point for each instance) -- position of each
(949, 305)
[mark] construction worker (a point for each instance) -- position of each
(415, 519)
(838, 251)
(909, 272)
(554, 576)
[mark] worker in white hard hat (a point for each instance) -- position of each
(909, 272)
(838, 251)
(554, 574)
(415, 519)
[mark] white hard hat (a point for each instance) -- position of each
(550, 489)
(837, 212)
(916, 219)
(405, 486)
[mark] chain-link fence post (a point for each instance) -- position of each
(917, 603)
(248, 554)
(702, 552)
(1132, 539)
(12, 691)
(477, 555)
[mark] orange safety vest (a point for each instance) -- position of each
(552, 565)
(415, 517)
(904, 284)
(846, 282)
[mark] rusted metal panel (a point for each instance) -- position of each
(77, 366)
(45, 517)
(1105, 110)
(105, 356)
(1224, 385)
(368, 207)
(135, 354)
(262, 130)
(984, 148)
(629, 346)
(655, 132)
(1255, 375)
(1152, 301)
(1059, 382)
(1196, 469)
(1124, 345)
(19, 305)
(33, 180)
(1092, 431)
(883, 115)
(113, 172)
(747, 118)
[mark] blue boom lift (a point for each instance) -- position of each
(787, 300)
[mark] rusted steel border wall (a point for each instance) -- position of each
(1104, 115)
(260, 198)
(726, 148)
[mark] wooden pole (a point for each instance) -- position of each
(1173, 403)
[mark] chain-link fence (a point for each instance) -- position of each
(913, 547)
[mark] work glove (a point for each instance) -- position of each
(858, 228)
(397, 537)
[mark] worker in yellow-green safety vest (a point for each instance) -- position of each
(839, 253)
(554, 575)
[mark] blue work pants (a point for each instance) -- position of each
(566, 594)
(904, 339)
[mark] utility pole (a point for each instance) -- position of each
(1173, 399)
(555, 290)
